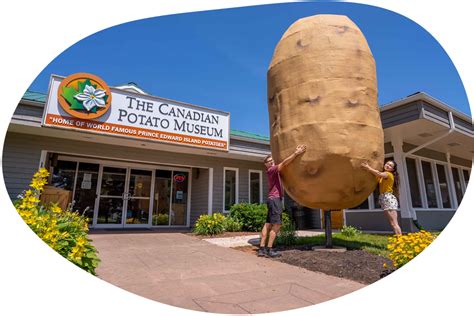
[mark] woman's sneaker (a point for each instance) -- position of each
(262, 252)
(273, 253)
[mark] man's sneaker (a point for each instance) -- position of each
(273, 253)
(262, 252)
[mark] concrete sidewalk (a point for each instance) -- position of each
(248, 240)
(187, 272)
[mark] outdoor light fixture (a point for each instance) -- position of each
(453, 144)
(425, 135)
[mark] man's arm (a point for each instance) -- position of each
(300, 149)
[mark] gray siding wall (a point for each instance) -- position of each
(463, 125)
(19, 162)
(435, 114)
(371, 220)
(21, 156)
(400, 115)
(241, 144)
(29, 110)
(199, 193)
(435, 220)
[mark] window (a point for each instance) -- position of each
(255, 186)
(443, 186)
(429, 184)
(363, 206)
(231, 184)
(64, 175)
(457, 184)
(413, 182)
(466, 177)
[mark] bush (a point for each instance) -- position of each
(403, 248)
(210, 224)
(252, 216)
(64, 231)
(160, 219)
(232, 225)
(350, 231)
(287, 234)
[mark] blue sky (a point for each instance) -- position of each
(219, 59)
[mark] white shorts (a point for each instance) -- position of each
(388, 201)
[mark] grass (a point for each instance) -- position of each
(376, 244)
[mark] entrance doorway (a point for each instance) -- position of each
(124, 197)
(117, 195)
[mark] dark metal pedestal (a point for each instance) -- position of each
(328, 229)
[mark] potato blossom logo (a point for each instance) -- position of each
(84, 96)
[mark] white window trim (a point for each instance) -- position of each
(438, 187)
(421, 186)
(421, 183)
(260, 184)
(236, 187)
(461, 176)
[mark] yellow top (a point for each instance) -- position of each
(386, 185)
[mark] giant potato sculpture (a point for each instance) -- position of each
(322, 92)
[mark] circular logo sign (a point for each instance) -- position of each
(179, 177)
(84, 96)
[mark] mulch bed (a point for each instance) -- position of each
(357, 265)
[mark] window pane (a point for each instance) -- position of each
(443, 186)
(113, 181)
(140, 183)
(63, 175)
(230, 189)
(86, 188)
(413, 181)
(363, 206)
(429, 184)
(457, 184)
(254, 187)
(161, 206)
(466, 176)
(178, 212)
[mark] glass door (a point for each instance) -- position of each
(170, 206)
(124, 197)
(112, 197)
(138, 198)
(161, 207)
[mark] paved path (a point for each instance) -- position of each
(248, 240)
(183, 271)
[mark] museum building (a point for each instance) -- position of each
(132, 159)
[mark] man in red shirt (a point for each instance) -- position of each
(274, 202)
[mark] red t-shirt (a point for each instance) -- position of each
(274, 184)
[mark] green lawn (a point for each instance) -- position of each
(376, 244)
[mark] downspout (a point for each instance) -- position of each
(451, 129)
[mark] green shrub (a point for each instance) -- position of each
(64, 231)
(232, 225)
(252, 216)
(209, 224)
(350, 231)
(287, 234)
(160, 219)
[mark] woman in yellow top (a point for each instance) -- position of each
(388, 183)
